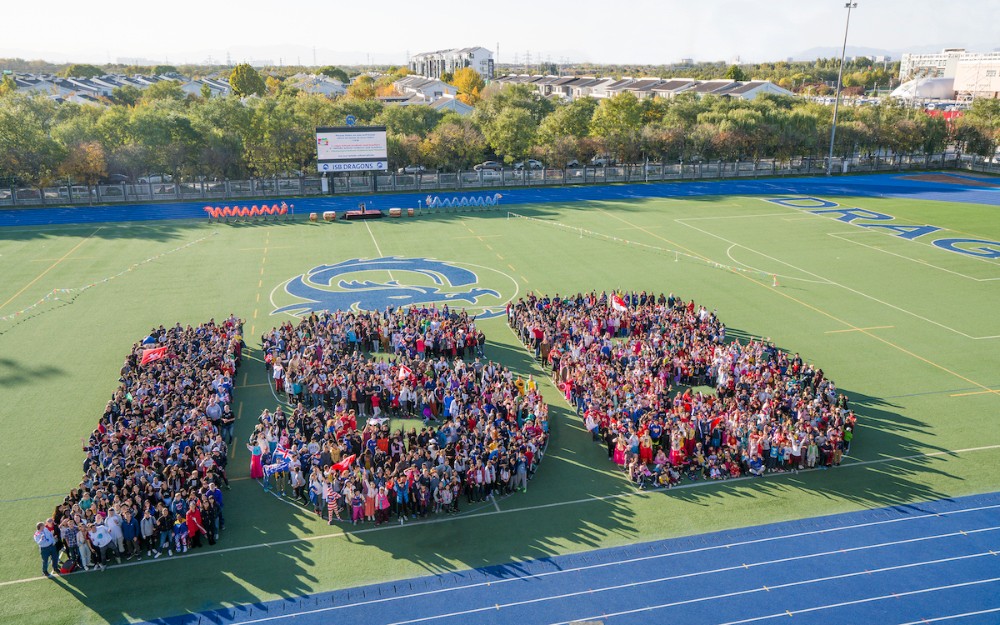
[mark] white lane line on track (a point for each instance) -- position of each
(868, 600)
(632, 584)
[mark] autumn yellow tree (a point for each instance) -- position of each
(363, 88)
(469, 84)
(86, 162)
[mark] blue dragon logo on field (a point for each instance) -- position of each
(392, 281)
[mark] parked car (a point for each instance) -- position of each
(411, 169)
(117, 178)
(488, 166)
(573, 164)
(602, 160)
(78, 192)
(156, 179)
(530, 164)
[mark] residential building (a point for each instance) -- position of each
(440, 62)
(428, 88)
(317, 83)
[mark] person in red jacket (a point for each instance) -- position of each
(194, 523)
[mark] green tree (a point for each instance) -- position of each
(409, 120)
(332, 71)
(126, 95)
(7, 85)
(163, 90)
(164, 127)
(161, 70)
(245, 81)
(735, 72)
(618, 121)
(206, 91)
(567, 120)
(455, 144)
(278, 140)
(80, 70)
(27, 150)
(512, 134)
(404, 149)
(224, 124)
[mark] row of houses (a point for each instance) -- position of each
(94, 90)
(429, 92)
(572, 87)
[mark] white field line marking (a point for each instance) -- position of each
(495, 504)
(738, 567)
(729, 254)
(837, 284)
(868, 600)
(951, 617)
(727, 217)
(703, 599)
(842, 236)
(625, 495)
(377, 248)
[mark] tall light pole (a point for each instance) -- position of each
(840, 76)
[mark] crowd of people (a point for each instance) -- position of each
(346, 374)
(630, 364)
(157, 459)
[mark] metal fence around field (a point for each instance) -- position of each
(134, 193)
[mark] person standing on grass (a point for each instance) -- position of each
(165, 531)
(67, 529)
(147, 529)
(83, 545)
(47, 548)
(130, 535)
(101, 539)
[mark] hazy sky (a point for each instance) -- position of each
(608, 31)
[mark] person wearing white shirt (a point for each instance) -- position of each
(47, 548)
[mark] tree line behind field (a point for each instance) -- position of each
(163, 130)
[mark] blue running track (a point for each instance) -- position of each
(934, 562)
(877, 185)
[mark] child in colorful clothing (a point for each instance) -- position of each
(180, 534)
(357, 507)
(332, 502)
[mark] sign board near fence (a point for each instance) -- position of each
(351, 148)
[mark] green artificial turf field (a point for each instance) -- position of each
(909, 331)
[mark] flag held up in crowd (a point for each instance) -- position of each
(344, 464)
(152, 355)
(618, 303)
(279, 462)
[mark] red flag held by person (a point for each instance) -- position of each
(152, 355)
(618, 303)
(344, 464)
(405, 372)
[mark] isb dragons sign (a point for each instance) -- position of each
(378, 283)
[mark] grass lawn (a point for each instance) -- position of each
(908, 330)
